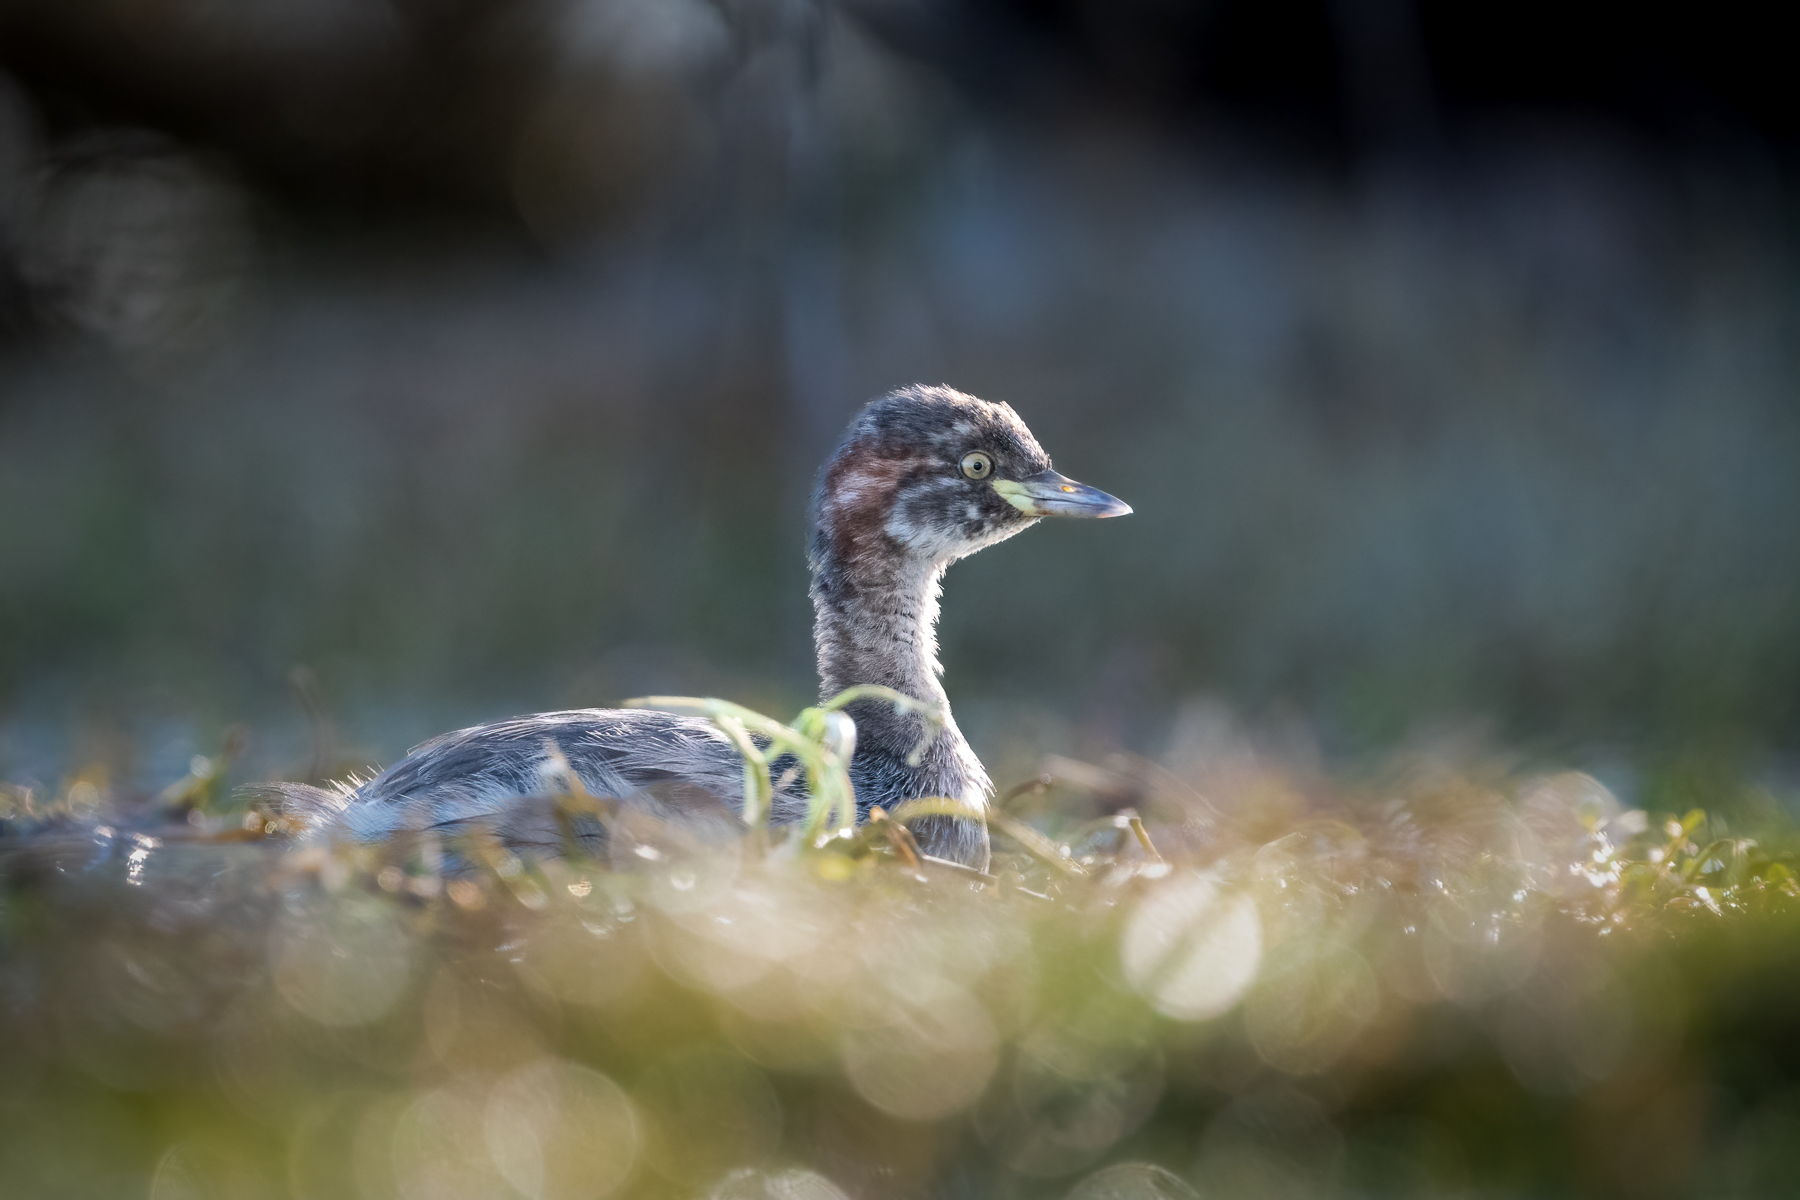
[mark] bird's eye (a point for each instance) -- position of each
(977, 465)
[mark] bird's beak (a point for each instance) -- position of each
(1048, 494)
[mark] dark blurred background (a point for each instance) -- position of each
(477, 357)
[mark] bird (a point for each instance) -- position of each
(925, 475)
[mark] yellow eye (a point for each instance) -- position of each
(977, 465)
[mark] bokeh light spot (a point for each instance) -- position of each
(924, 1059)
(344, 965)
(1308, 1005)
(784, 1185)
(561, 1131)
(437, 1151)
(1191, 947)
(1133, 1181)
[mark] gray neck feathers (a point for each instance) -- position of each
(875, 621)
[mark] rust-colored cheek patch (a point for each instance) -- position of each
(860, 488)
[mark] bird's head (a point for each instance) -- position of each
(931, 474)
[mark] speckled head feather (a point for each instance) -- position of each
(895, 489)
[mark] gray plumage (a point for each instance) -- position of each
(924, 476)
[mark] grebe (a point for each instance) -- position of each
(924, 476)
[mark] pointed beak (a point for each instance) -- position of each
(1048, 494)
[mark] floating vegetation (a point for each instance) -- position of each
(1448, 983)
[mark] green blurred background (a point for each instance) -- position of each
(477, 357)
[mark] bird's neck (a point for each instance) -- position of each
(878, 625)
(875, 621)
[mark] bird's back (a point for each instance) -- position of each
(488, 775)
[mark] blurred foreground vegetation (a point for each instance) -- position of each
(1442, 980)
